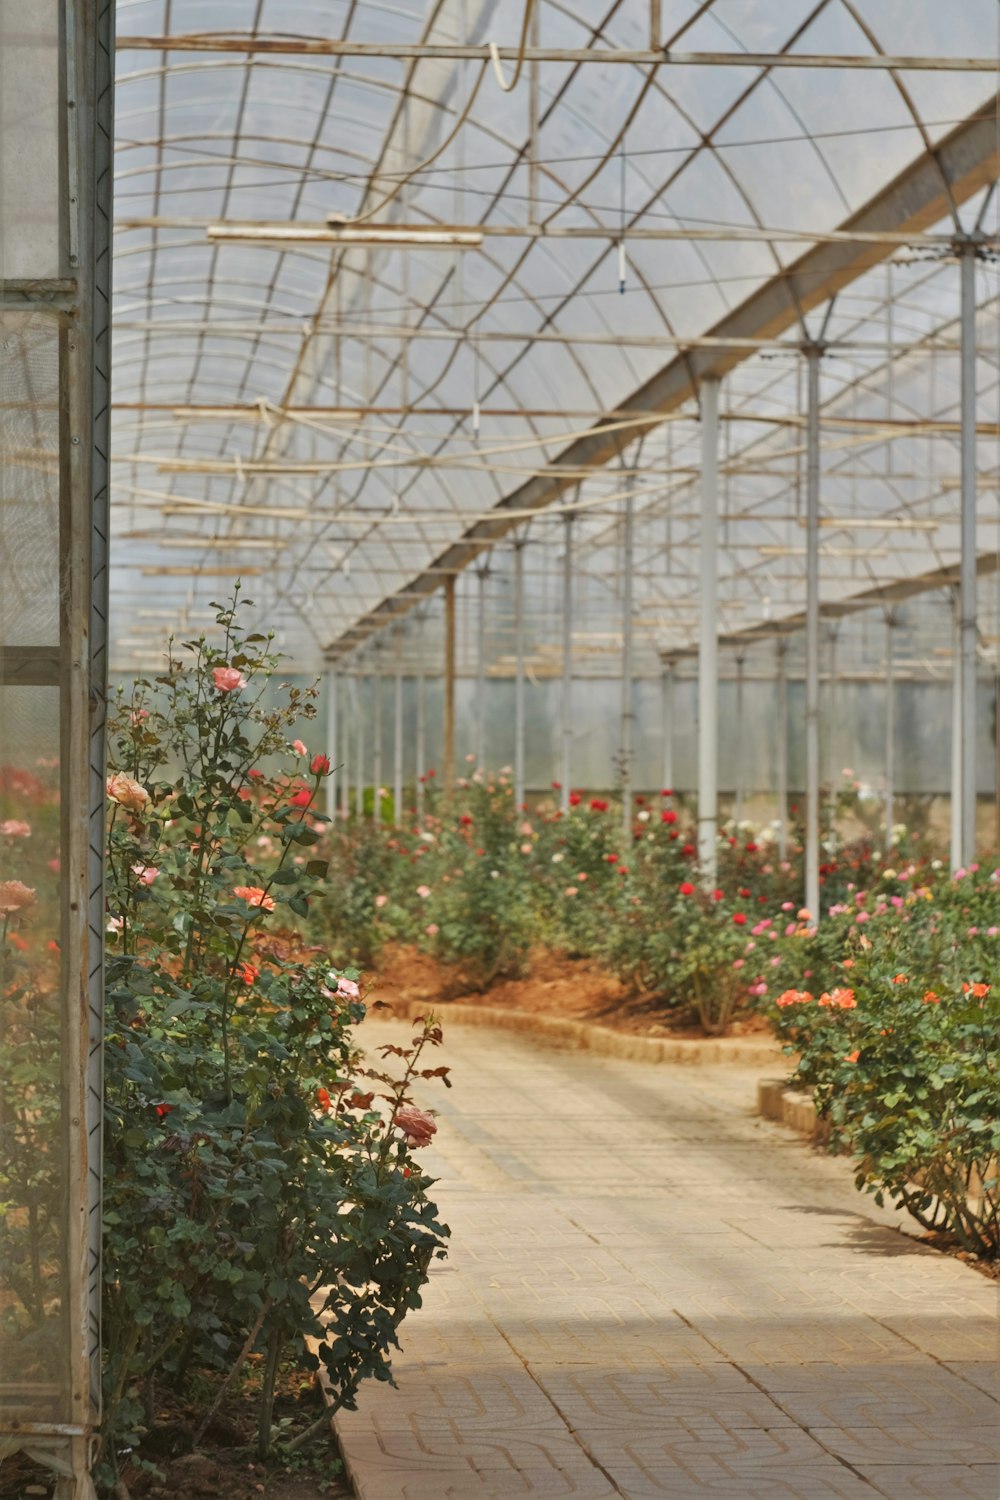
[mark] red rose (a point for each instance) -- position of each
(575, 799)
(320, 765)
(687, 889)
(669, 816)
(739, 918)
(689, 851)
(598, 804)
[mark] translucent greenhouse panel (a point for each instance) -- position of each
(29, 139)
(34, 1364)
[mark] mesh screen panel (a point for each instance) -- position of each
(34, 1357)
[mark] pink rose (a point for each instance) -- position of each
(126, 792)
(432, 929)
(347, 988)
(423, 891)
(14, 828)
(417, 1125)
(14, 896)
(146, 873)
(299, 748)
(228, 679)
(380, 901)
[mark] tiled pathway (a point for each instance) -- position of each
(652, 1293)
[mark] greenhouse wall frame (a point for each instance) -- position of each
(56, 88)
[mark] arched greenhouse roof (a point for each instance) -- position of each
(667, 193)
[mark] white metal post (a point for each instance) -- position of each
(781, 748)
(377, 738)
(397, 736)
(332, 686)
(350, 708)
(708, 658)
(834, 706)
(739, 789)
(812, 355)
(890, 727)
(667, 725)
(627, 709)
(421, 762)
(482, 574)
(519, 673)
(359, 756)
(967, 583)
(956, 731)
(566, 716)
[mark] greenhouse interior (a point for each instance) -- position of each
(499, 749)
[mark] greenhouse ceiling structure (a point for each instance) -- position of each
(623, 335)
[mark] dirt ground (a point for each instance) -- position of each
(575, 989)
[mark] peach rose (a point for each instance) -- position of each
(14, 828)
(228, 679)
(14, 896)
(126, 792)
(417, 1125)
(254, 896)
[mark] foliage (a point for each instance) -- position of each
(258, 1192)
(900, 1048)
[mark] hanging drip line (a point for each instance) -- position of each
(621, 218)
(475, 389)
(522, 47)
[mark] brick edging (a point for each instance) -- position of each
(584, 1036)
(778, 1100)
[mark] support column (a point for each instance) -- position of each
(482, 574)
(890, 726)
(397, 736)
(519, 673)
(449, 684)
(346, 718)
(421, 761)
(967, 576)
(739, 791)
(377, 738)
(628, 709)
(667, 725)
(566, 715)
(956, 731)
(708, 657)
(834, 710)
(812, 840)
(359, 756)
(781, 747)
(332, 688)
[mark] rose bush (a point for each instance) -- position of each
(260, 1189)
(897, 1033)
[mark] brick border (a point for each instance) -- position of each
(585, 1037)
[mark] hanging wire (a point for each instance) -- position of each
(522, 48)
(622, 262)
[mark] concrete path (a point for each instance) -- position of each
(653, 1293)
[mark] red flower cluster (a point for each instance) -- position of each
(598, 804)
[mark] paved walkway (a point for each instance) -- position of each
(652, 1293)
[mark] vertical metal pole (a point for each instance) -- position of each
(890, 727)
(449, 684)
(812, 355)
(668, 725)
(397, 737)
(628, 710)
(345, 746)
(740, 789)
(421, 765)
(566, 716)
(482, 574)
(956, 731)
(377, 737)
(519, 674)
(967, 584)
(359, 756)
(781, 756)
(834, 709)
(708, 657)
(332, 687)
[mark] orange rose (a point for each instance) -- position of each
(254, 896)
